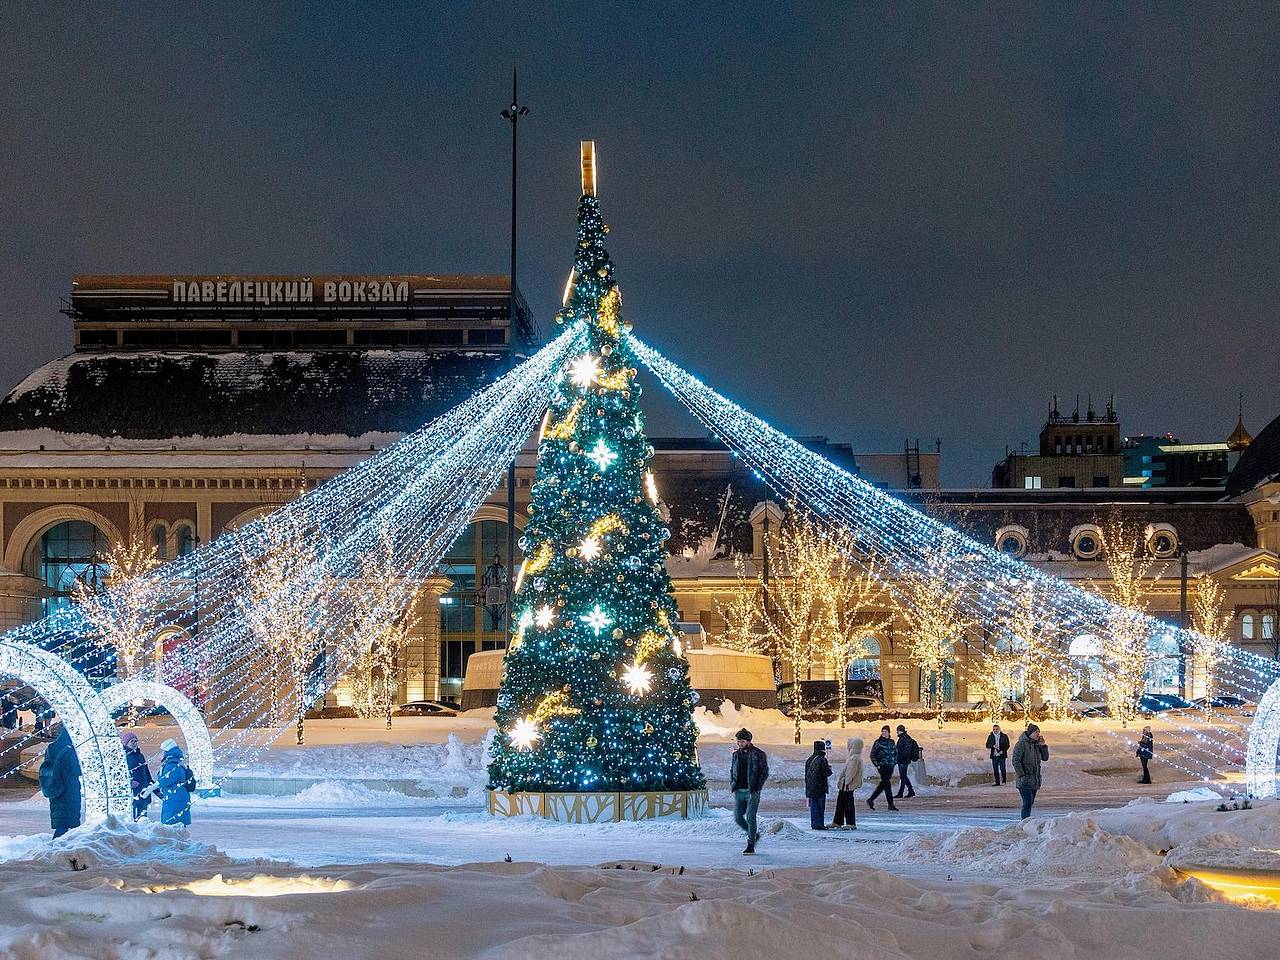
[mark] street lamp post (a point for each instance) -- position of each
(512, 115)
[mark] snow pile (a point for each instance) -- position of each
(112, 842)
(449, 769)
(1194, 795)
(1059, 846)
(766, 726)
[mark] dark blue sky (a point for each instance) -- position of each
(865, 220)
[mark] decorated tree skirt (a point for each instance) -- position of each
(599, 806)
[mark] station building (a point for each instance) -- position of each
(191, 404)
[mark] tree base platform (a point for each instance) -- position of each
(599, 806)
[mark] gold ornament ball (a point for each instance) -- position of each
(617, 633)
(591, 743)
(602, 272)
(571, 552)
(606, 350)
(648, 728)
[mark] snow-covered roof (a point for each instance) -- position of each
(175, 396)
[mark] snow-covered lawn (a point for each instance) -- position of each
(1058, 888)
(349, 867)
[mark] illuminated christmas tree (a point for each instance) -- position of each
(595, 692)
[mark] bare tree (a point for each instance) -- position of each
(1211, 625)
(1126, 650)
(853, 596)
(384, 619)
(804, 550)
(122, 612)
(933, 600)
(284, 598)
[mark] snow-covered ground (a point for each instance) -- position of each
(349, 868)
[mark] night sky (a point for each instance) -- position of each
(862, 221)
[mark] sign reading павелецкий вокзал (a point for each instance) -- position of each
(269, 291)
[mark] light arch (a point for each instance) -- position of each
(88, 722)
(194, 731)
(1264, 739)
(31, 527)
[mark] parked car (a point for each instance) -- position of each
(428, 708)
(1153, 703)
(1237, 704)
(852, 704)
(1009, 709)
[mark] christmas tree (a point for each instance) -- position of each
(595, 692)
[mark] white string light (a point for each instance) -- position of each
(902, 536)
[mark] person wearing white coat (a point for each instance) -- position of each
(850, 779)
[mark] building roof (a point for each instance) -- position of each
(159, 395)
(1259, 463)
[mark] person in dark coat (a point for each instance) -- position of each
(748, 770)
(817, 771)
(884, 757)
(1028, 753)
(998, 747)
(139, 773)
(8, 712)
(850, 779)
(1146, 750)
(60, 783)
(176, 784)
(908, 753)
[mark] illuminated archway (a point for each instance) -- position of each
(87, 721)
(184, 713)
(1264, 738)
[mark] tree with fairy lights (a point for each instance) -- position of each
(1126, 638)
(1209, 642)
(384, 617)
(595, 691)
(120, 609)
(284, 602)
(934, 602)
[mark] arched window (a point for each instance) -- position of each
(868, 667)
(472, 613)
(74, 552)
(69, 552)
(184, 540)
(1269, 625)
(1248, 625)
(160, 541)
(1164, 669)
(1086, 651)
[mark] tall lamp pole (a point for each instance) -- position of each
(512, 115)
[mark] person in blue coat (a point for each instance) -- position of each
(176, 784)
(60, 783)
(140, 779)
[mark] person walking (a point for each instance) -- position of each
(1146, 750)
(140, 778)
(884, 757)
(817, 771)
(60, 783)
(748, 770)
(176, 783)
(998, 747)
(850, 779)
(908, 753)
(1028, 753)
(8, 712)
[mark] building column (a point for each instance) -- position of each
(421, 659)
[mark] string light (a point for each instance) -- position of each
(903, 535)
(195, 734)
(596, 619)
(637, 678)
(602, 456)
